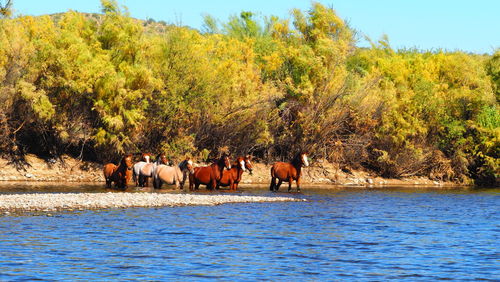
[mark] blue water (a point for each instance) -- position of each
(374, 235)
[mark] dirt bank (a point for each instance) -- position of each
(68, 169)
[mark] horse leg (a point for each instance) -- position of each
(143, 182)
(118, 184)
(298, 184)
(290, 180)
(134, 177)
(123, 184)
(278, 185)
(157, 183)
(273, 184)
(184, 176)
(191, 182)
(108, 183)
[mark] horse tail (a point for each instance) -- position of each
(108, 171)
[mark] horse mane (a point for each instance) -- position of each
(220, 161)
(183, 164)
(122, 162)
(296, 161)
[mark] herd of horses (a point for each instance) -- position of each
(221, 173)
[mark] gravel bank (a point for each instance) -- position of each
(75, 201)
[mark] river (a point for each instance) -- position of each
(349, 234)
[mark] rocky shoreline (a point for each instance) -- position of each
(46, 202)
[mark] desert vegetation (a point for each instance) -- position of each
(99, 86)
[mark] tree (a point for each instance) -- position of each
(5, 9)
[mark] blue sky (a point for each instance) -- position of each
(467, 25)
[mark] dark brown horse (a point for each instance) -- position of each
(288, 172)
(232, 177)
(121, 174)
(209, 175)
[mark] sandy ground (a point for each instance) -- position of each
(68, 169)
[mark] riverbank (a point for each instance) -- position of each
(68, 169)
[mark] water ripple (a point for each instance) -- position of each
(338, 235)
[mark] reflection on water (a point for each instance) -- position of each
(341, 234)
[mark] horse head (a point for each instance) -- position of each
(304, 160)
(146, 157)
(248, 163)
(240, 163)
(300, 160)
(127, 162)
(188, 163)
(161, 159)
(225, 161)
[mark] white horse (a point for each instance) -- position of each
(145, 159)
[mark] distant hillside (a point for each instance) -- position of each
(150, 25)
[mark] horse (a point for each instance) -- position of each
(232, 177)
(120, 174)
(209, 175)
(145, 159)
(288, 172)
(147, 170)
(187, 168)
(248, 164)
(172, 174)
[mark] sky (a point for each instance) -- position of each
(466, 25)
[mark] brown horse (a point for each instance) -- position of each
(209, 175)
(288, 172)
(120, 174)
(172, 174)
(147, 170)
(232, 177)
